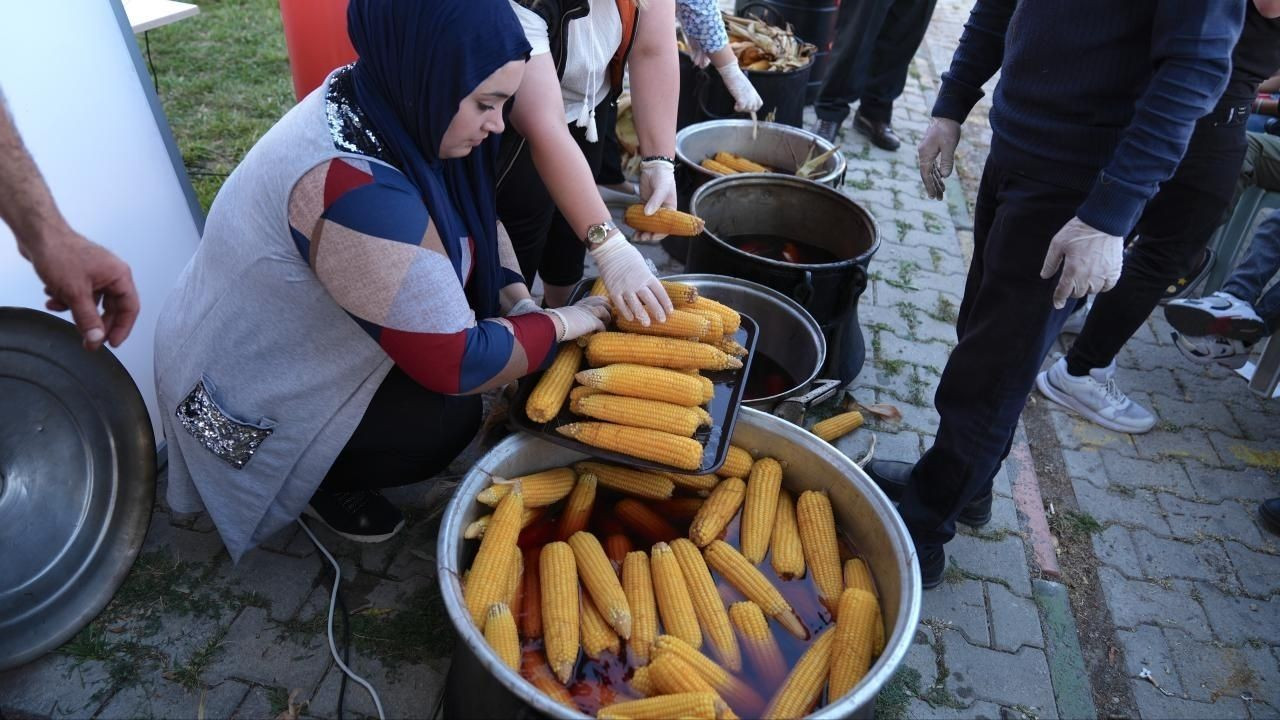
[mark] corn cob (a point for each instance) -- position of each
(646, 382)
(665, 220)
(649, 485)
(739, 163)
(600, 580)
(717, 511)
(607, 348)
(700, 484)
(637, 583)
(476, 529)
(671, 676)
(858, 577)
(708, 387)
(730, 346)
(672, 594)
(736, 464)
(644, 522)
(598, 288)
(681, 294)
(660, 447)
(821, 549)
(704, 418)
(533, 667)
(750, 582)
(679, 324)
(560, 608)
(707, 605)
(577, 511)
(515, 578)
(732, 320)
(548, 395)
(641, 684)
(758, 66)
(837, 426)
(616, 547)
(540, 489)
(855, 638)
(786, 552)
(682, 509)
(581, 391)
(758, 641)
(759, 508)
(500, 633)
(488, 582)
(715, 329)
(638, 412)
(804, 685)
(695, 706)
(717, 168)
(531, 597)
(597, 636)
(733, 690)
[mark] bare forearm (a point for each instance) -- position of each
(655, 76)
(565, 172)
(26, 205)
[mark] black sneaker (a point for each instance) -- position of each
(891, 477)
(933, 562)
(364, 516)
(1269, 514)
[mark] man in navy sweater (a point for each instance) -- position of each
(1095, 104)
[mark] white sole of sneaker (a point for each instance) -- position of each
(368, 539)
(1048, 390)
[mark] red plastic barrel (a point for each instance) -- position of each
(315, 33)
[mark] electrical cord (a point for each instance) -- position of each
(333, 601)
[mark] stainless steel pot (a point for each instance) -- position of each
(863, 513)
(778, 146)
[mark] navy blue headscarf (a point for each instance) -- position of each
(418, 60)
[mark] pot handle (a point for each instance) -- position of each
(803, 291)
(793, 409)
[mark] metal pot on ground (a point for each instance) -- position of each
(862, 512)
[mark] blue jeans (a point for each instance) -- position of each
(1261, 262)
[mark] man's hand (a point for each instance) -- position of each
(77, 274)
(937, 154)
(1090, 260)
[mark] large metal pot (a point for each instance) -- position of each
(862, 512)
(778, 146)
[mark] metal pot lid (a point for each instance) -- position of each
(77, 481)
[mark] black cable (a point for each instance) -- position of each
(146, 39)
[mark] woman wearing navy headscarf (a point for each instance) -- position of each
(352, 293)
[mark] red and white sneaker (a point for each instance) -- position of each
(1220, 314)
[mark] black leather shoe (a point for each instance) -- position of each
(933, 562)
(879, 133)
(364, 516)
(827, 129)
(891, 477)
(1269, 513)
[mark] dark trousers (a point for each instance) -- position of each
(543, 240)
(408, 434)
(1005, 326)
(875, 41)
(1173, 230)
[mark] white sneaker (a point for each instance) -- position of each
(1212, 349)
(1218, 314)
(1095, 397)
(1075, 321)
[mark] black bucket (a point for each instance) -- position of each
(783, 94)
(813, 21)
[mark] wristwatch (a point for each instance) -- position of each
(598, 233)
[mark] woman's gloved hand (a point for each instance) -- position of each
(745, 97)
(1090, 260)
(584, 317)
(635, 291)
(657, 190)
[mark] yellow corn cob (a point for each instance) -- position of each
(715, 322)
(700, 484)
(616, 547)
(786, 552)
(682, 509)
(858, 576)
(577, 511)
(855, 638)
(707, 605)
(560, 608)
(759, 508)
(641, 684)
(650, 485)
(739, 163)
(681, 294)
(736, 464)
(638, 412)
(607, 348)
(500, 633)
(821, 549)
(531, 597)
(758, 641)
(598, 288)
(660, 447)
(704, 419)
(804, 685)
(647, 382)
(548, 395)
(515, 578)
(597, 636)
(581, 391)
(838, 426)
(540, 489)
(672, 594)
(671, 676)
(534, 668)
(600, 580)
(679, 324)
(729, 346)
(637, 583)
(665, 220)
(750, 582)
(733, 690)
(488, 582)
(717, 511)
(732, 320)
(694, 706)
(643, 521)
(717, 168)
(708, 388)
(476, 529)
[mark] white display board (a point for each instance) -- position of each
(81, 98)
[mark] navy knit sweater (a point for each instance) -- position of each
(1099, 95)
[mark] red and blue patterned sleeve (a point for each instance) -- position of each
(368, 237)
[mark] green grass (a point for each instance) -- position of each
(895, 696)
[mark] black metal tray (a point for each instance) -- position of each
(729, 388)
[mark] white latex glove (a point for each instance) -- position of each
(657, 190)
(937, 153)
(700, 57)
(635, 291)
(745, 97)
(584, 317)
(1090, 260)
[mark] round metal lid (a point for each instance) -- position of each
(77, 480)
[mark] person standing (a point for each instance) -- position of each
(875, 41)
(1085, 126)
